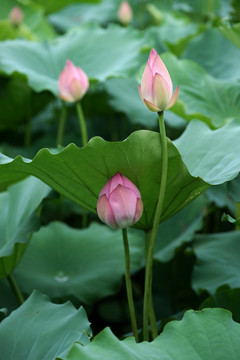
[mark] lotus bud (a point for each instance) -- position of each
(16, 16)
(156, 85)
(119, 204)
(73, 83)
(125, 14)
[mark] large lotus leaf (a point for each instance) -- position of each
(18, 220)
(88, 263)
(179, 229)
(218, 261)
(101, 53)
(207, 51)
(207, 334)
(42, 330)
(80, 173)
(201, 96)
(76, 14)
(211, 154)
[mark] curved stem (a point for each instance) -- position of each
(129, 284)
(82, 124)
(61, 125)
(158, 213)
(16, 289)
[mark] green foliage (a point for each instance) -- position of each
(214, 328)
(210, 274)
(42, 62)
(19, 220)
(40, 329)
(137, 158)
(73, 269)
(50, 236)
(210, 157)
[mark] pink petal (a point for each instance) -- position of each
(158, 67)
(152, 57)
(139, 210)
(162, 94)
(151, 106)
(147, 84)
(83, 79)
(105, 212)
(106, 189)
(76, 89)
(123, 202)
(115, 181)
(173, 99)
(127, 183)
(112, 183)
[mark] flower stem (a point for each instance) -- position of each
(152, 317)
(83, 129)
(158, 213)
(61, 125)
(16, 289)
(129, 284)
(82, 124)
(237, 227)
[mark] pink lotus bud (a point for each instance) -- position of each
(16, 16)
(119, 203)
(156, 86)
(125, 14)
(73, 83)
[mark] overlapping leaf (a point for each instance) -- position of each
(40, 329)
(208, 334)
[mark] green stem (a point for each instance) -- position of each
(237, 227)
(16, 289)
(129, 284)
(82, 124)
(28, 128)
(158, 213)
(61, 125)
(83, 129)
(152, 317)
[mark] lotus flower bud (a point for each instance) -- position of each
(156, 85)
(16, 16)
(73, 83)
(119, 204)
(125, 14)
